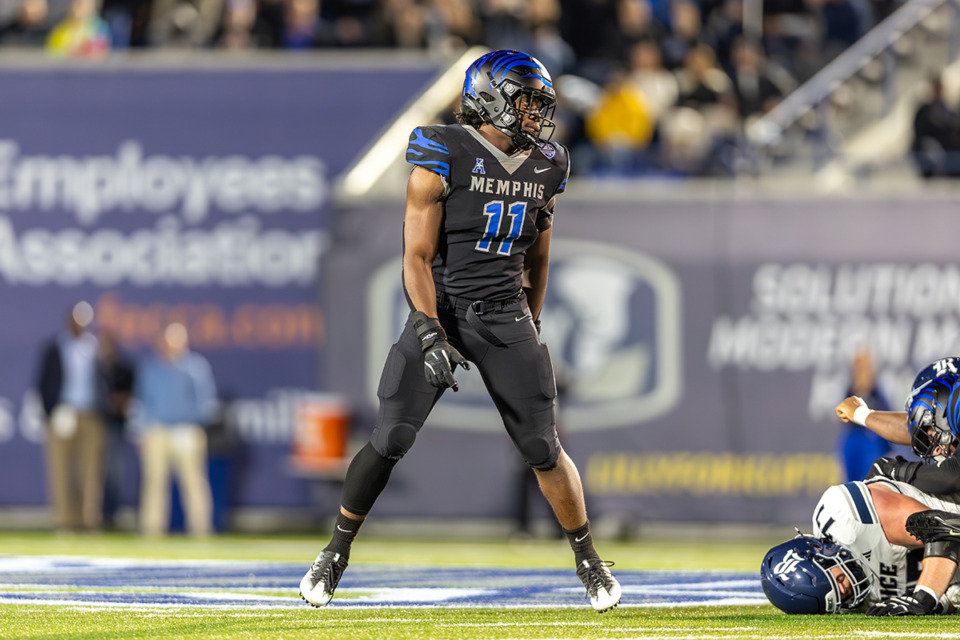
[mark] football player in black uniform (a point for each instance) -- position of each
(476, 248)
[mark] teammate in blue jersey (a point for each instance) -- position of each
(476, 247)
(858, 558)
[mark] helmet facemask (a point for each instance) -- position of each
(851, 566)
(524, 102)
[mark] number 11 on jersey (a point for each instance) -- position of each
(494, 212)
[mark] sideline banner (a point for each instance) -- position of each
(701, 348)
(195, 195)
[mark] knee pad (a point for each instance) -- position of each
(395, 441)
(540, 452)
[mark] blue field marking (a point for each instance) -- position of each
(105, 582)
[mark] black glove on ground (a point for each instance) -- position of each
(440, 359)
(919, 603)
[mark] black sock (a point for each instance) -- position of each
(343, 534)
(581, 541)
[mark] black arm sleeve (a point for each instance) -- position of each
(940, 478)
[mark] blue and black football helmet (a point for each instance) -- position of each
(933, 416)
(798, 576)
(933, 370)
(501, 83)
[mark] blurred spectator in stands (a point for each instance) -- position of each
(701, 82)
(593, 31)
(547, 45)
(684, 142)
(707, 90)
(267, 30)
(127, 21)
(791, 35)
(115, 377)
(755, 90)
(844, 22)
(9, 12)
(401, 24)
(305, 27)
(505, 25)
(936, 134)
(620, 125)
(637, 23)
(648, 74)
(302, 24)
(184, 23)
(684, 34)
(177, 400)
(453, 26)
(577, 96)
(67, 384)
(81, 34)
(533, 27)
(239, 18)
(724, 26)
(27, 26)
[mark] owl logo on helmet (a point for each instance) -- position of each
(814, 575)
(933, 417)
(502, 87)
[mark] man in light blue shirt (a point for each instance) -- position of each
(177, 399)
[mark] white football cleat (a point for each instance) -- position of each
(602, 587)
(318, 585)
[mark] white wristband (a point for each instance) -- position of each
(860, 415)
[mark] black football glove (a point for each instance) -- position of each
(919, 603)
(898, 468)
(440, 359)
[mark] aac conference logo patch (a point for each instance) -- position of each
(612, 321)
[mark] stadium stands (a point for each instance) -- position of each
(648, 87)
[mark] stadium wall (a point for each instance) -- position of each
(703, 340)
(702, 336)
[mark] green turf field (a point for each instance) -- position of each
(50, 621)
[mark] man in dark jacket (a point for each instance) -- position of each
(67, 383)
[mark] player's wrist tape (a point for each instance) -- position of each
(860, 415)
(926, 589)
(428, 329)
(927, 598)
(949, 549)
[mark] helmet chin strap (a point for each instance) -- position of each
(518, 137)
(522, 140)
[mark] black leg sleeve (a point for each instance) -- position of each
(366, 478)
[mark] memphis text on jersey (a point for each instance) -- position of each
(510, 188)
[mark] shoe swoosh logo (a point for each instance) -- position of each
(581, 539)
(344, 530)
(541, 169)
(522, 318)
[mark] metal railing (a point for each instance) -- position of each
(769, 130)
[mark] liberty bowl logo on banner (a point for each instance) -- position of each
(611, 321)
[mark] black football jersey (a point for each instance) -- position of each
(493, 209)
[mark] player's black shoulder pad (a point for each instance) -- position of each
(429, 147)
(558, 156)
